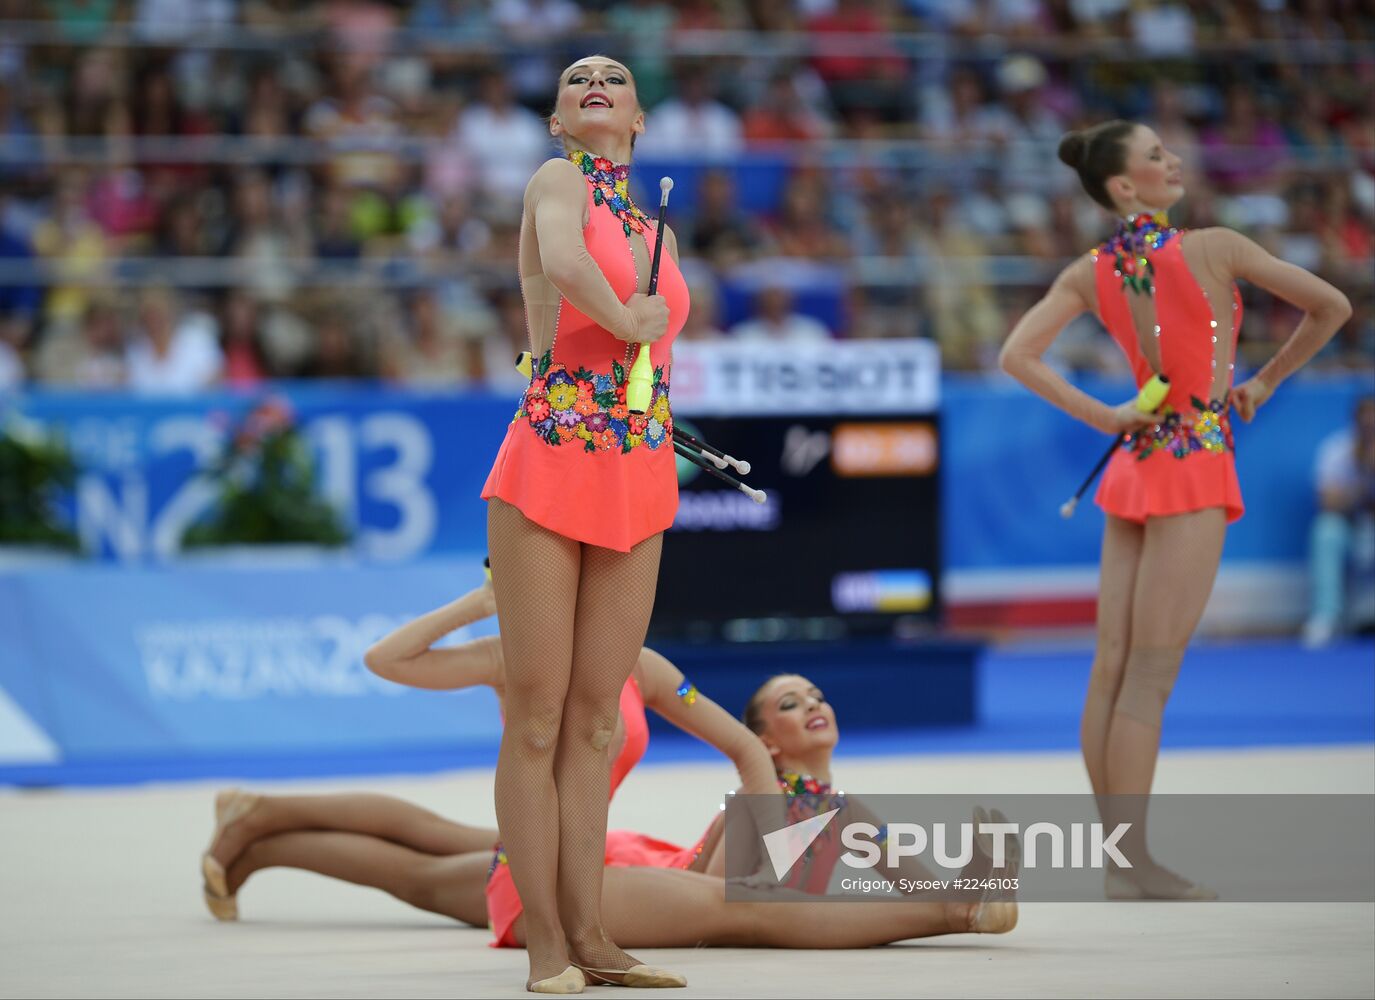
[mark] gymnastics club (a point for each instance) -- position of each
(637, 390)
(1148, 400)
(719, 457)
(758, 496)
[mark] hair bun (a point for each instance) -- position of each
(1072, 148)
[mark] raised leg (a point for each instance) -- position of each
(374, 815)
(452, 886)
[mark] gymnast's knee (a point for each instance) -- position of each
(536, 728)
(1147, 680)
(590, 716)
(1105, 676)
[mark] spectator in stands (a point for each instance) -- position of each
(267, 111)
(703, 321)
(1170, 119)
(782, 114)
(1025, 128)
(868, 82)
(241, 340)
(535, 28)
(499, 352)
(954, 115)
(90, 356)
(337, 353)
(960, 305)
(172, 351)
(431, 350)
(802, 227)
(260, 238)
(643, 30)
(75, 246)
(335, 238)
(509, 142)
(718, 230)
(775, 322)
(1342, 541)
(1246, 158)
(354, 112)
(693, 123)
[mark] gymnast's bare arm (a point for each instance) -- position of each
(1325, 309)
(406, 656)
(1021, 356)
(708, 721)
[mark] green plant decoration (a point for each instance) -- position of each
(266, 480)
(35, 469)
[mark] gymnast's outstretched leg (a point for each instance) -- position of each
(453, 886)
(382, 816)
(672, 908)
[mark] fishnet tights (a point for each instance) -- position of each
(573, 619)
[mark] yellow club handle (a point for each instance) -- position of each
(1152, 394)
(638, 387)
(524, 363)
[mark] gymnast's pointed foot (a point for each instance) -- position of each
(570, 980)
(1153, 881)
(993, 917)
(231, 805)
(606, 965)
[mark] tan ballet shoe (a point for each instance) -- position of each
(230, 805)
(223, 908)
(1119, 885)
(570, 980)
(995, 917)
(637, 977)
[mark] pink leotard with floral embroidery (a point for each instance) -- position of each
(574, 459)
(1186, 461)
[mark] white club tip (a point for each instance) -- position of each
(665, 184)
(743, 466)
(758, 496)
(1067, 508)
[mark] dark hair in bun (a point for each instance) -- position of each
(1096, 154)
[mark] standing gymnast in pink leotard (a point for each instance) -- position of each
(1168, 298)
(578, 499)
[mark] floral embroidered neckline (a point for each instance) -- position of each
(1137, 237)
(610, 187)
(794, 783)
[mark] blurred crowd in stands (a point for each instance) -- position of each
(196, 192)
